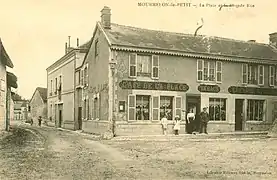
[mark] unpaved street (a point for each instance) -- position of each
(48, 153)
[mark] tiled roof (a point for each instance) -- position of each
(43, 93)
(137, 37)
(85, 45)
(4, 57)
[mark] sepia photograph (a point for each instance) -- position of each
(138, 89)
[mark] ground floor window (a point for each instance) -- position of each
(217, 109)
(166, 107)
(255, 110)
(142, 107)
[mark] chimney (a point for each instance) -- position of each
(106, 17)
(65, 48)
(252, 40)
(273, 39)
(77, 42)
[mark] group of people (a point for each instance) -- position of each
(39, 121)
(193, 123)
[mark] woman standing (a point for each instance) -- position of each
(177, 125)
(164, 123)
(190, 121)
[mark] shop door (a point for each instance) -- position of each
(79, 118)
(60, 109)
(238, 114)
(194, 103)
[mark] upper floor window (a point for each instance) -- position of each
(96, 50)
(272, 76)
(253, 74)
(60, 84)
(56, 85)
(144, 65)
(210, 71)
(51, 87)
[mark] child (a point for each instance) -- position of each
(177, 125)
(164, 123)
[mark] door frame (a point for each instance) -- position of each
(242, 104)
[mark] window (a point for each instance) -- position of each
(60, 83)
(79, 77)
(82, 77)
(56, 85)
(142, 107)
(253, 74)
(96, 109)
(255, 110)
(217, 109)
(272, 75)
(2, 85)
(143, 65)
(209, 71)
(166, 107)
(85, 76)
(51, 87)
(96, 48)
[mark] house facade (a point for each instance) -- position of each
(7, 81)
(20, 110)
(61, 87)
(136, 75)
(38, 104)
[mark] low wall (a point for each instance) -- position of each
(95, 127)
(257, 126)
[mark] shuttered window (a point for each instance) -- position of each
(132, 65)
(271, 75)
(178, 106)
(244, 73)
(132, 107)
(218, 71)
(155, 67)
(155, 108)
(261, 74)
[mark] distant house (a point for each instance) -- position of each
(7, 81)
(20, 110)
(38, 103)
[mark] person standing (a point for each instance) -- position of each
(177, 125)
(164, 123)
(39, 121)
(190, 122)
(204, 119)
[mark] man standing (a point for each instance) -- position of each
(204, 119)
(39, 120)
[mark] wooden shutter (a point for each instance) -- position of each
(199, 70)
(82, 77)
(155, 67)
(218, 71)
(271, 75)
(261, 75)
(131, 107)
(178, 106)
(87, 76)
(244, 73)
(155, 108)
(133, 65)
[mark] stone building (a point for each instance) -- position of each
(61, 86)
(38, 104)
(135, 75)
(7, 81)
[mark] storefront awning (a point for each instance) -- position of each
(11, 80)
(4, 57)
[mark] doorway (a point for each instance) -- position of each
(79, 118)
(239, 114)
(60, 109)
(194, 103)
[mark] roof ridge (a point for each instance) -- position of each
(191, 35)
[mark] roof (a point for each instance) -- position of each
(11, 80)
(4, 57)
(42, 92)
(17, 105)
(153, 39)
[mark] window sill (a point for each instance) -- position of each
(218, 122)
(255, 122)
(208, 82)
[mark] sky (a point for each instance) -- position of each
(34, 32)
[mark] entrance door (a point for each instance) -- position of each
(79, 118)
(238, 114)
(194, 103)
(60, 110)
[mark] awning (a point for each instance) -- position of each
(11, 80)
(4, 57)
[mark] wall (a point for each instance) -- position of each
(3, 96)
(38, 107)
(184, 70)
(67, 71)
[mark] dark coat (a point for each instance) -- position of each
(204, 117)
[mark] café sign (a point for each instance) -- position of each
(252, 90)
(160, 86)
(209, 88)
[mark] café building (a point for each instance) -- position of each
(151, 73)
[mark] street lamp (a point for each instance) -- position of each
(112, 65)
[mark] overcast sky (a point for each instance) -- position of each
(34, 31)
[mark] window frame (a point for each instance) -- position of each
(248, 118)
(224, 100)
(272, 75)
(205, 66)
